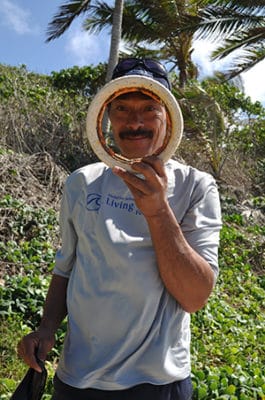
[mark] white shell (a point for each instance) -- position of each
(119, 86)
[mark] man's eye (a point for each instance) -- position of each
(121, 108)
(150, 108)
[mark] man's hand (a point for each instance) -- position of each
(34, 344)
(40, 342)
(149, 193)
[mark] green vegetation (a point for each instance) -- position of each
(37, 118)
(228, 335)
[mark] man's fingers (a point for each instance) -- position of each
(42, 351)
(26, 349)
(133, 181)
(148, 186)
(156, 164)
(145, 169)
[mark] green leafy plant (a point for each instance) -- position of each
(228, 334)
(24, 296)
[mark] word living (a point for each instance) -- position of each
(125, 204)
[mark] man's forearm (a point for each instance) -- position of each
(186, 275)
(55, 305)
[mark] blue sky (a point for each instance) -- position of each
(23, 26)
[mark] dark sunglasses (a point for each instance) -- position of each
(153, 66)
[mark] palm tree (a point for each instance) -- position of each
(149, 27)
(155, 24)
(73, 9)
(241, 25)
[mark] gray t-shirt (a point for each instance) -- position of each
(124, 328)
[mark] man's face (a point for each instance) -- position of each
(139, 124)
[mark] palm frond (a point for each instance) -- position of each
(253, 5)
(151, 20)
(65, 16)
(141, 22)
(250, 59)
(251, 40)
(140, 51)
(100, 17)
(138, 25)
(216, 22)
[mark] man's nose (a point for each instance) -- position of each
(135, 120)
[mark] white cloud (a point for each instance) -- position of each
(254, 82)
(87, 49)
(253, 79)
(202, 57)
(15, 17)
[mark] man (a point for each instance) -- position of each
(138, 255)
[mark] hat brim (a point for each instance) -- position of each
(120, 86)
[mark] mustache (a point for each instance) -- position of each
(140, 132)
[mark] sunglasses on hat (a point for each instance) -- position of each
(155, 68)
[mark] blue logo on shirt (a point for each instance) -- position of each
(93, 201)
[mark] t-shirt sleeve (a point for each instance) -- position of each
(202, 223)
(65, 256)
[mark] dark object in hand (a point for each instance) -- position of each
(32, 385)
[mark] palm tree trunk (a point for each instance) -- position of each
(114, 50)
(115, 38)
